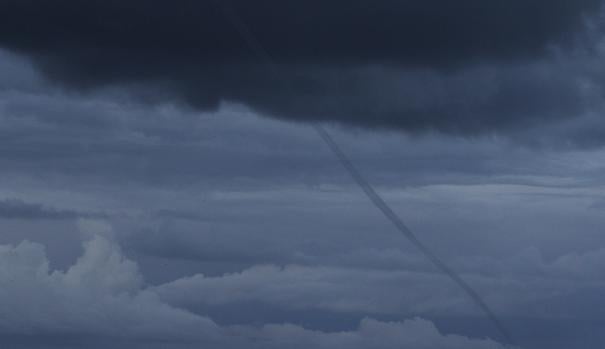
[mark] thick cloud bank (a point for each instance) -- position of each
(465, 67)
(425, 33)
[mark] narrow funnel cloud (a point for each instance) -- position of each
(398, 223)
(376, 199)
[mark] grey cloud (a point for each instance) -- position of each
(17, 209)
(318, 288)
(371, 291)
(341, 229)
(97, 137)
(417, 334)
(17, 73)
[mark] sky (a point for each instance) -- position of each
(162, 185)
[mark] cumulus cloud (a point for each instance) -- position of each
(103, 296)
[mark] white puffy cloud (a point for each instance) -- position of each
(103, 295)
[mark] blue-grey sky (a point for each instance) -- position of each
(160, 189)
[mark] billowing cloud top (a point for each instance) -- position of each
(465, 66)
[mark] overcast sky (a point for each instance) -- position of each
(162, 187)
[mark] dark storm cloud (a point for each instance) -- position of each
(434, 32)
(408, 65)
